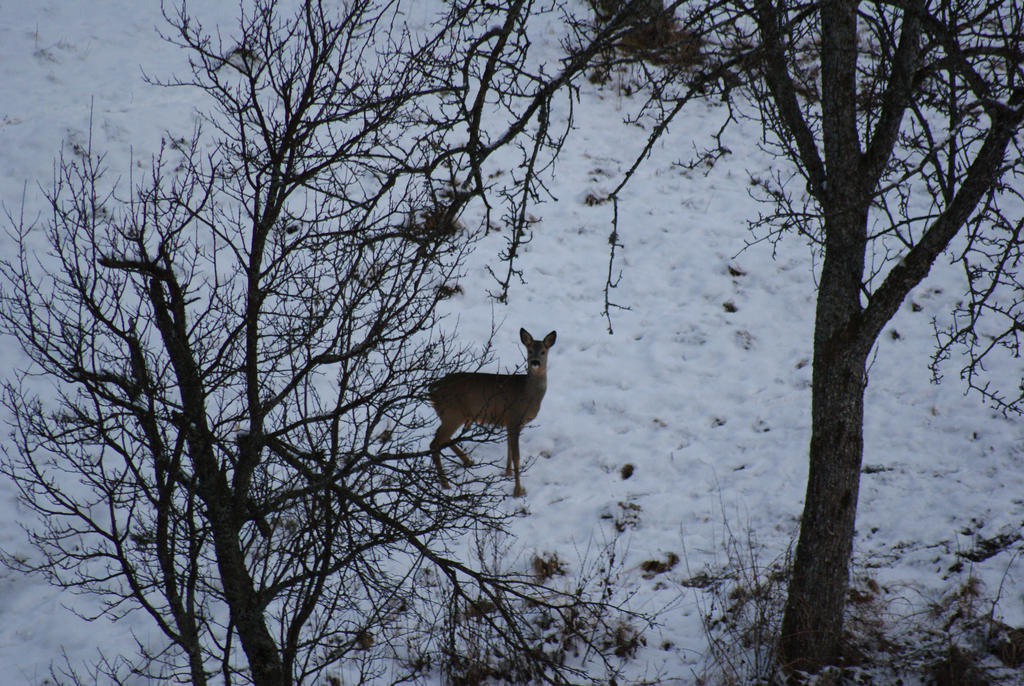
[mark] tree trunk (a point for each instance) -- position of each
(812, 624)
(222, 503)
(813, 619)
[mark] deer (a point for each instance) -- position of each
(508, 400)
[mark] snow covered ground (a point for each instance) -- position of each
(704, 387)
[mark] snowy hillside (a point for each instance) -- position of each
(703, 389)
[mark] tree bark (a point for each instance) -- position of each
(812, 624)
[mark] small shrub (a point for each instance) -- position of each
(652, 568)
(566, 624)
(956, 640)
(627, 516)
(625, 640)
(1007, 644)
(546, 566)
(741, 612)
(956, 668)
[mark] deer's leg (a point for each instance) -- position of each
(513, 457)
(466, 461)
(508, 453)
(444, 433)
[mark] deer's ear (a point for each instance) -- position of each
(525, 337)
(549, 340)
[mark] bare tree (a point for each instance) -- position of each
(893, 174)
(902, 124)
(220, 425)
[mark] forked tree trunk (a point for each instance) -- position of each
(845, 180)
(813, 620)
